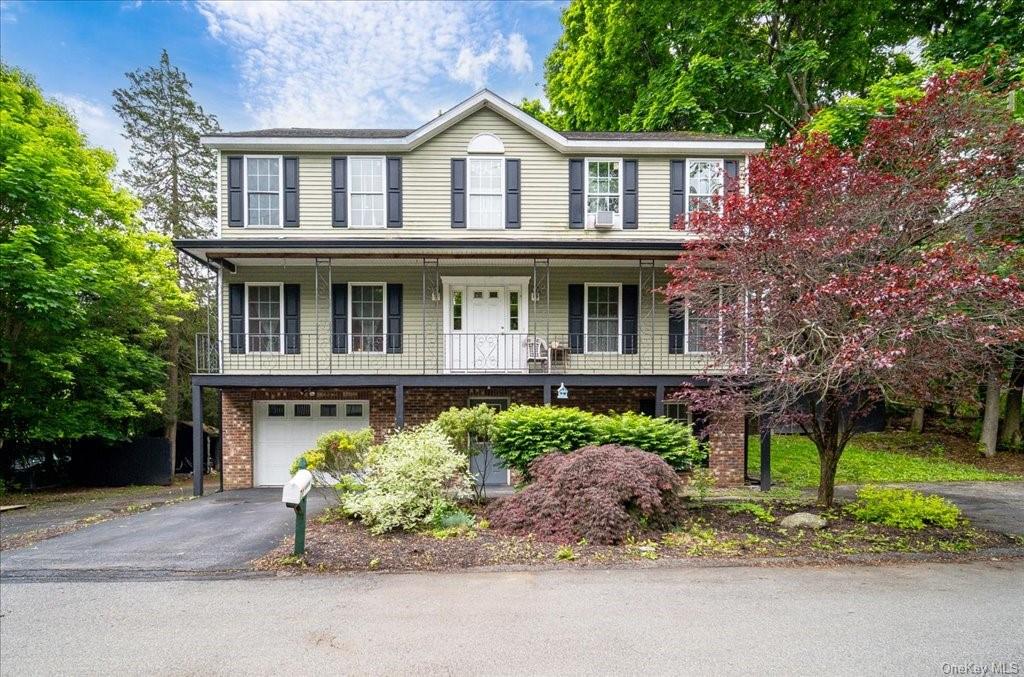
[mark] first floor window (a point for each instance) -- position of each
(263, 190)
(486, 208)
(703, 185)
(366, 185)
(603, 187)
(264, 318)
(602, 318)
(367, 318)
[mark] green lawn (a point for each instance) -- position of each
(795, 462)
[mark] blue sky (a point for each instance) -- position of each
(268, 64)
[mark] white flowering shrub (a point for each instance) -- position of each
(406, 477)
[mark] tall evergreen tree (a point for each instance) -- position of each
(174, 176)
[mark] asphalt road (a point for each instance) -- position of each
(921, 619)
(218, 532)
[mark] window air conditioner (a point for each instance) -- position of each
(604, 220)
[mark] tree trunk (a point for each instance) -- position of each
(1011, 420)
(990, 420)
(829, 462)
(173, 400)
(917, 420)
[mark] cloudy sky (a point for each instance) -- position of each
(268, 64)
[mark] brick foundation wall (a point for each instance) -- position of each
(424, 404)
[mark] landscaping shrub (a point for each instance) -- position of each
(336, 455)
(523, 433)
(903, 508)
(672, 440)
(599, 493)
(407, 478)
(461, 426)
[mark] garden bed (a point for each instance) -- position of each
(710, 533)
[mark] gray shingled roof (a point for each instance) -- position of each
(310, 132)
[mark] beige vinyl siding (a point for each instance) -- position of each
(422, 325)
(426, 191)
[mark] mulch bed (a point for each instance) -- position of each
(947, 446)
(711, 532)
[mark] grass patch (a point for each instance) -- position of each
(795, 462)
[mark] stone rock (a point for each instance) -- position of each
(803, 520)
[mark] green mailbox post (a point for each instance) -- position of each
(294, 496)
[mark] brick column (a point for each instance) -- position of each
(236, 438)
(726, 453)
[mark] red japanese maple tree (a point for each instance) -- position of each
(847, 277)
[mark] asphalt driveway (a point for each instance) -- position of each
(219, 532)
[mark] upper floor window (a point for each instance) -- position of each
(602, 318)
(263, 191)
(703, 185)
(604, 192)
(486, 190)
(366, 181)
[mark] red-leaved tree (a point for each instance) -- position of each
(848, 277)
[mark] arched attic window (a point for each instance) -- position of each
(485, 143)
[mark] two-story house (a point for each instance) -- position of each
(379, 276)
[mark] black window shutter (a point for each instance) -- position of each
(292, 296)
(576, 211)
(512, 202)
(291, 192)
(630, 313)
(676, 329)
(677, 191)
(339, 199)
(458, 193)
(339, 318)
(630, 207)
(394, 329)
(394, 192)
(576, 302)
(236, 318)
(235, 203)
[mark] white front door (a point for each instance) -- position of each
(486, 328)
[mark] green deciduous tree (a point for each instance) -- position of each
(174, 176)
(86, 297)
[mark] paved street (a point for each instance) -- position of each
(218, 532)
(921, 619)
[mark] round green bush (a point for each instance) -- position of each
(903, 508)
(672, 440)
(523, 433)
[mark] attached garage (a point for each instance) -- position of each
(283, 429)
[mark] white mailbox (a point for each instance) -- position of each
(297, 488)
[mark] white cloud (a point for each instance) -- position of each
(100, 124)
(361, 64)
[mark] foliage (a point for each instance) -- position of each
(760, 512)
(871, 269)
(756, 67)
(462, 426)
(600, 493)
(702, 481)
(523, 433)
(336, 455)
(86, 298)
(406, 477)
(672, 440)
(969, 30)
(565, 554)
(903, 508)
(795, 463)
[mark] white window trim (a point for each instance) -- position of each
(280, 299)
(721, 186)
(384, 316)
(586, 318)
(501, 194)
(383, 184)
(280, 190)
(586, 190)
(686, 330)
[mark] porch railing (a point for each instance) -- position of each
(448, 353)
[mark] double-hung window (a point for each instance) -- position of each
(703, 327)
(366, 188)
(367, 312)
(263, 191)
(603, 318)
(604, 191)
(263, 314)
(704, 187)
(486, 199)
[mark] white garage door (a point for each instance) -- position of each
(283, 429)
